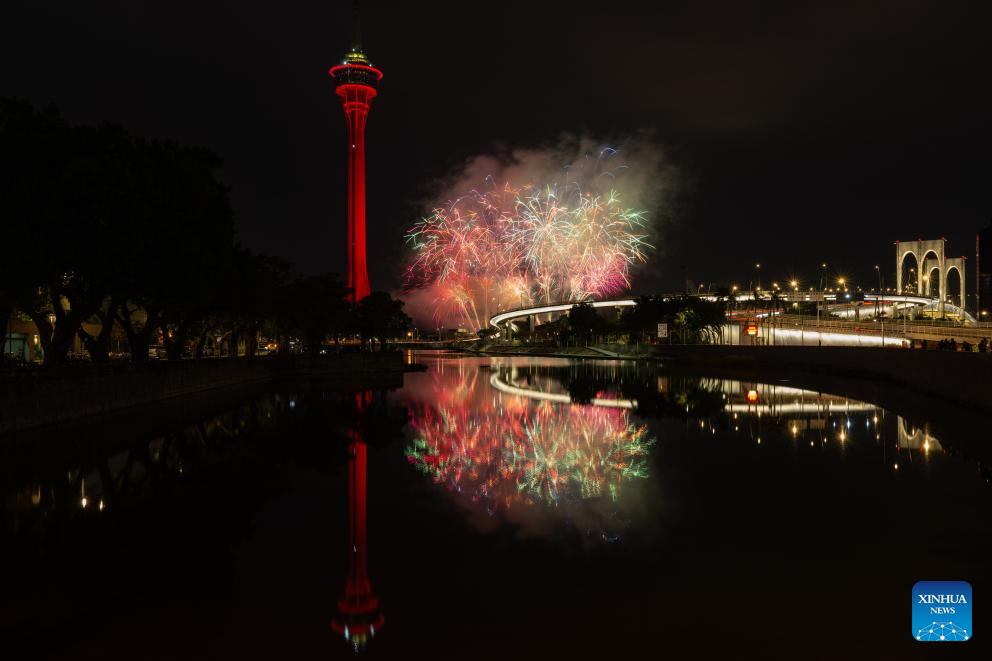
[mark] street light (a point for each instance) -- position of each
(822, 301)
(878, 270)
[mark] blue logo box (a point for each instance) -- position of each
(942, 611)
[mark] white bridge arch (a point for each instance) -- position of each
(930, 256)
(504, 317)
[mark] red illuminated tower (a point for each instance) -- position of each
(355, 80)
(358, 614)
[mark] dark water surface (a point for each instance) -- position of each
(490, 508)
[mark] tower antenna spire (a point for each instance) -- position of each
(356, 28)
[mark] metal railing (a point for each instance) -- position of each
(875, 327)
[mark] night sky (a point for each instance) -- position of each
(801, 133)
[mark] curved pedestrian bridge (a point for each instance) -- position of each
(925, 302)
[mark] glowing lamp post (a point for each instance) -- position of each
(822, 301)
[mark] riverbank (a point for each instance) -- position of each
(45, 397)
(962, 378)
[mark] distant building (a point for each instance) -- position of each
(22, 342)
(983, 273)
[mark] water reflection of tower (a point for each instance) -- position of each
(358, 613)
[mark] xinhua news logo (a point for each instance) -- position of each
(942, 611)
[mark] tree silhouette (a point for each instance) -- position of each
(316, 308)
(584, 322)
(380, 316)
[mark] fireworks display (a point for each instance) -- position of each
(509, 449)
(511, 245)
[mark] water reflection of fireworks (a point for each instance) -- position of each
(506, 450)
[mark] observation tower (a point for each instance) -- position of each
(355, 81)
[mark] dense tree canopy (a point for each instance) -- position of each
(104, 231)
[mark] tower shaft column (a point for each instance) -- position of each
(356, 113)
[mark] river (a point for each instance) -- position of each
(492, 507)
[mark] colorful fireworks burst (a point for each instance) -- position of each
(510, 247)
